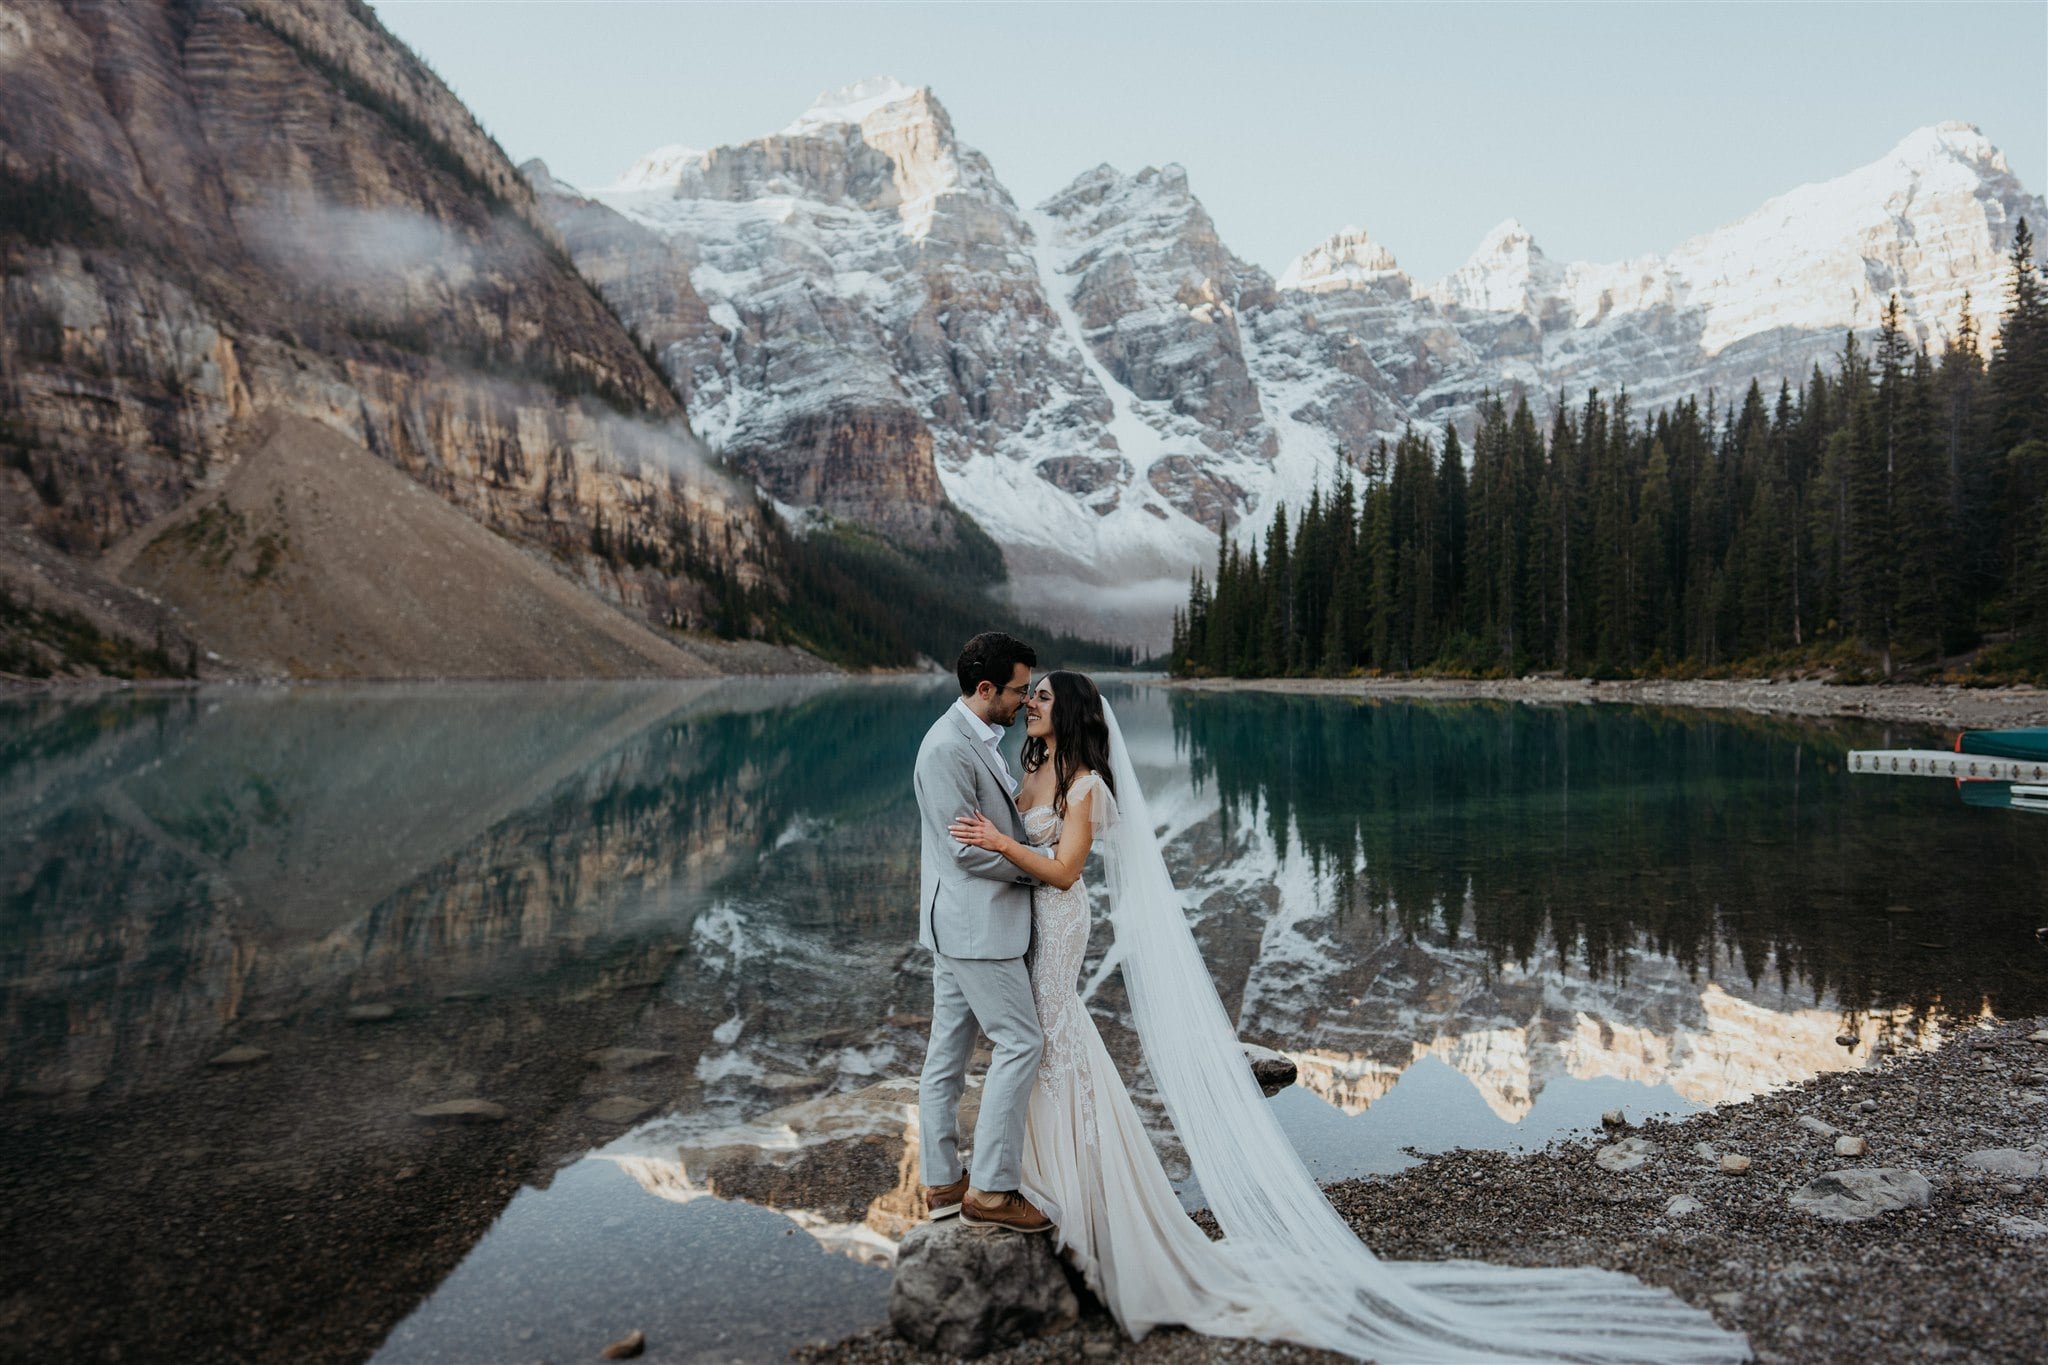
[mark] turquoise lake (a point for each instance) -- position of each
(1470, 924)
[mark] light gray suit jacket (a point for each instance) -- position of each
(973, 903)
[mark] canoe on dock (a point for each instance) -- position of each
(2006, 768)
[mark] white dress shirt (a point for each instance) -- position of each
(993, 738)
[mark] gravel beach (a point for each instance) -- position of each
(1967, 708)
(1958, 1279)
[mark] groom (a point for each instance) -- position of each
(975, 916)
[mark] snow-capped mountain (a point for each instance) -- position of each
(861, 316)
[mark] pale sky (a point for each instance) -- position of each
(1610, 130)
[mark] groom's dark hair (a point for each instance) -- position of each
(991, 657)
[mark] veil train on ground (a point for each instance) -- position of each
(1283, 1232)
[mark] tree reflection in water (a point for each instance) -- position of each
(1595, 833)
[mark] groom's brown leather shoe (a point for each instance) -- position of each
(1002, 1210)
(943, 1201)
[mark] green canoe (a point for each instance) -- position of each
(2020, 744)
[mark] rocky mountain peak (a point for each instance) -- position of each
(855, 104)
(1506, 273)
(1954, 140)
(1348, 259)
(662, 168)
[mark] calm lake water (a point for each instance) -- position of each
(1470, 924)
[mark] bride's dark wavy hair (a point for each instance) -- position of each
(1080, 735)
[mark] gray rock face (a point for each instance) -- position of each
(965, 1291)
(407, 294)
(1852, 1196)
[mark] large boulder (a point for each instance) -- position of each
(965, 1291)
(1852, 1196)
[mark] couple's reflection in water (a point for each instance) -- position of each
(1468, 924)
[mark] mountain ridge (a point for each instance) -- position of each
(1106, 388)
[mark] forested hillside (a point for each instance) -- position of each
(1887, 515)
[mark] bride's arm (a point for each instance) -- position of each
(1063, 869)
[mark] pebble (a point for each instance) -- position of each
(1818, 1127)
(1866, 1106)
(627, 1346)
(1681, 1205)
(1735, 1165)
(1614, 1118)
(1846, 1039)
(242, 1054)
(370, 1013)
(1847, 1145)
(462, 1111)
(1706, 1152)
(1731, 1300)
(2026, 1229)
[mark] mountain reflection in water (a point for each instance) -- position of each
(1470, 924)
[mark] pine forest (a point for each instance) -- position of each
(1889, 517)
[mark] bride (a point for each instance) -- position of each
(1289, 1268)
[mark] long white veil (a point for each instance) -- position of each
(1283, 1232)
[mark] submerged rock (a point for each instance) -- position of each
(370, 1014)
(628, 1058)
(1274, 1071)
(1852, 1196)
(627, 1346)
(242, 1054)
(965, 1291)
(462, 1111)
(620, 1109)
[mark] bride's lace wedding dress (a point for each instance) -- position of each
(1289, 1269)
(1088, 1162)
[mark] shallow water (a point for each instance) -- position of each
(1471, 924)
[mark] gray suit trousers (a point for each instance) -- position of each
(997, 993)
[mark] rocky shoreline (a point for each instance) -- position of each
(1964, 708)
(1776, 1249)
